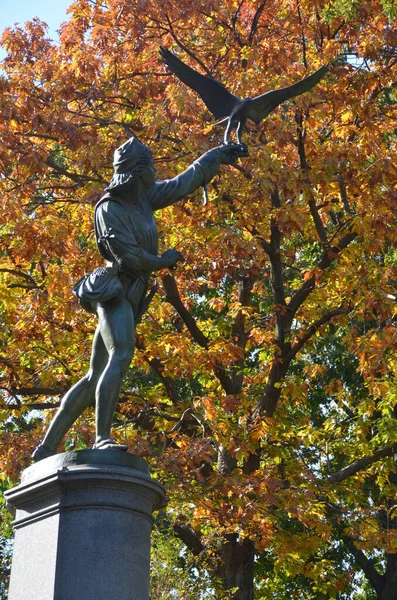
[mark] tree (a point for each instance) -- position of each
(263, 390)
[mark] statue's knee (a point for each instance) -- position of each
(123, 361)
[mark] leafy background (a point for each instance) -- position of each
(263, 390)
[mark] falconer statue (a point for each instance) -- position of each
(127, 239)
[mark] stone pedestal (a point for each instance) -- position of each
(82, 527)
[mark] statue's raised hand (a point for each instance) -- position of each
(227, 154)
(231, 152)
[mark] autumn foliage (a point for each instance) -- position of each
(263, 391)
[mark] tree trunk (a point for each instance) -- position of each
(389, 591)
(238, 567)
(389, 588)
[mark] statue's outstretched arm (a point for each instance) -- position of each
(199, 173)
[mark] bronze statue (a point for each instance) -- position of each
(224, 105)
(127, 238)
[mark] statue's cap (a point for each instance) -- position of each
(130, 160)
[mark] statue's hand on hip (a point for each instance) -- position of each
(171, 257)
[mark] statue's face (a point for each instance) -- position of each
(141, 184)
(148, 177)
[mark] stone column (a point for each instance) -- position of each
(82, 527)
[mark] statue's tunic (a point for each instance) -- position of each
(126, 232)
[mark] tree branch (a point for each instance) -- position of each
(228, 383)
(271, 395)
(233, 19)
(158, 368)
(189, 537)
(367, 565)
(173, 297)
(328, 256)
(321, 231)
(185, 48)
(255, 20)
(311, 330)
(77, 177)
(360, 465)
(281, 362)
(335, 517)
(36, 391)
(238, 327)
(35, 406)
(343, 195)
(283, 320)
(193, 421)
(303, 38)
(265, 245)
(29, 278)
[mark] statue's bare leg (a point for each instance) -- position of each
(75, 401)
(117, 327)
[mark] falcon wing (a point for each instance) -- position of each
(214, 95)
(262, 105)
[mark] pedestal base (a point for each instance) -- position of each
(82, 527)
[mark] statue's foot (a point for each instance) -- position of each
(41, 452)
(109, 444)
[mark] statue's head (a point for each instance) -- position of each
(131, 160)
